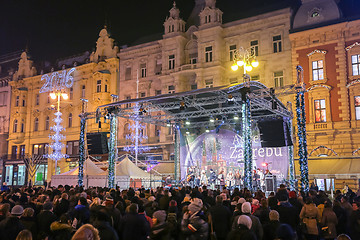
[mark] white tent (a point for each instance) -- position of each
(93, 176)
(130, 175)
(127, 174)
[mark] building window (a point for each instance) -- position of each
(128, 73)
(193, 58)
(70, 120)
(320, 110)
(254, 47)
(22, 127)
(277, 45)
(157, 92)
(72, 148)
(172, 61)
(23, 102)
(318, 70)
(209, 83)
(171, 89)
(355, 61)
(14, 151)
(106, 88)
(157, 131)
(17, 101)
(48, 99)
(41, 149)
(128, 105)
(279, 79)
(47, 123)
(98, 86)
(357, 107)
(22, 150)
(255, 78)
(142, 94)
(37, 99)
(127, 131)
(83, 91)
(71, 93)
(158, 66)
(143, 70)
(15, 126)
(232, 50)
(208, 54)
(193, 86)
(36, 125)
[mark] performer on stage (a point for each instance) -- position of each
(237, 179)
(230, 180)
(203, 178)
(190, 177)
(212, 179)
(221, 179)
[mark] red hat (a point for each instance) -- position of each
(292, 194)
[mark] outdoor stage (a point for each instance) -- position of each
(214, 117)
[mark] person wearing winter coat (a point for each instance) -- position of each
(61, 230)
(270, 229)
(44, 219)
(256, 226)
(220, 218)
(354, 221)
(193, 224)
(310, 216)
(28, 220)
(102, 223)
(134, 226)
(287, 212)
(11, 225)
(243, 230)
(160, 229)
(329, 220)
(81, 212)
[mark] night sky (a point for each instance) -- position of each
(56, 29)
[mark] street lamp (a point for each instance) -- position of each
(246, 59)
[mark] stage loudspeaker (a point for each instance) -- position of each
(270, 183)
(274, 133)
(97, 143)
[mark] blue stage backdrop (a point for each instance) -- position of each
(224, 151)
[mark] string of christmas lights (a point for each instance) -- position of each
(301, 121)
(246, 122)
(112, 150)
(81, 151)
(292, 179)
(57, 137)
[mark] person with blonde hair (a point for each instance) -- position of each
(86, 232)
(24, 235)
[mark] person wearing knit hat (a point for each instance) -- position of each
(245, 220)
(194, 208)
(193, 225)
(17, 210)
(243, 230)
(241, 200)
(159, 217)
(246, 207)
(160, 229)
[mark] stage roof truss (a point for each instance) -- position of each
(200, 105)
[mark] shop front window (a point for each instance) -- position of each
(9, 175)
(21, 175)
(41, 175)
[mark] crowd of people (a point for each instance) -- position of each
(185, 213)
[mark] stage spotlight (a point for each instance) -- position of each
(187, 132)
(264, 164)
(168, 124)
(212, 119)
(187, 122)
(236, 117)
(230, 99)
(182, 105)
(207, 130)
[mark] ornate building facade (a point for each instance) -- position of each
(95, 78)
(199, 54)
(325, 42)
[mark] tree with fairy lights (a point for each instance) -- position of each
(137, 134)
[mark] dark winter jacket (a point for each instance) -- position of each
(10, 228)
(160, 232)
(220, 216)
(106, 232)
(29, 224)
(82, 214)
(329, 220)
(288, 214)
(60, 231)
(44, 220)
(62, 207)
(270, 230)
(241, 233)
(195, 227)
(135, 227)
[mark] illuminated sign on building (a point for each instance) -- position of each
(57, 81)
